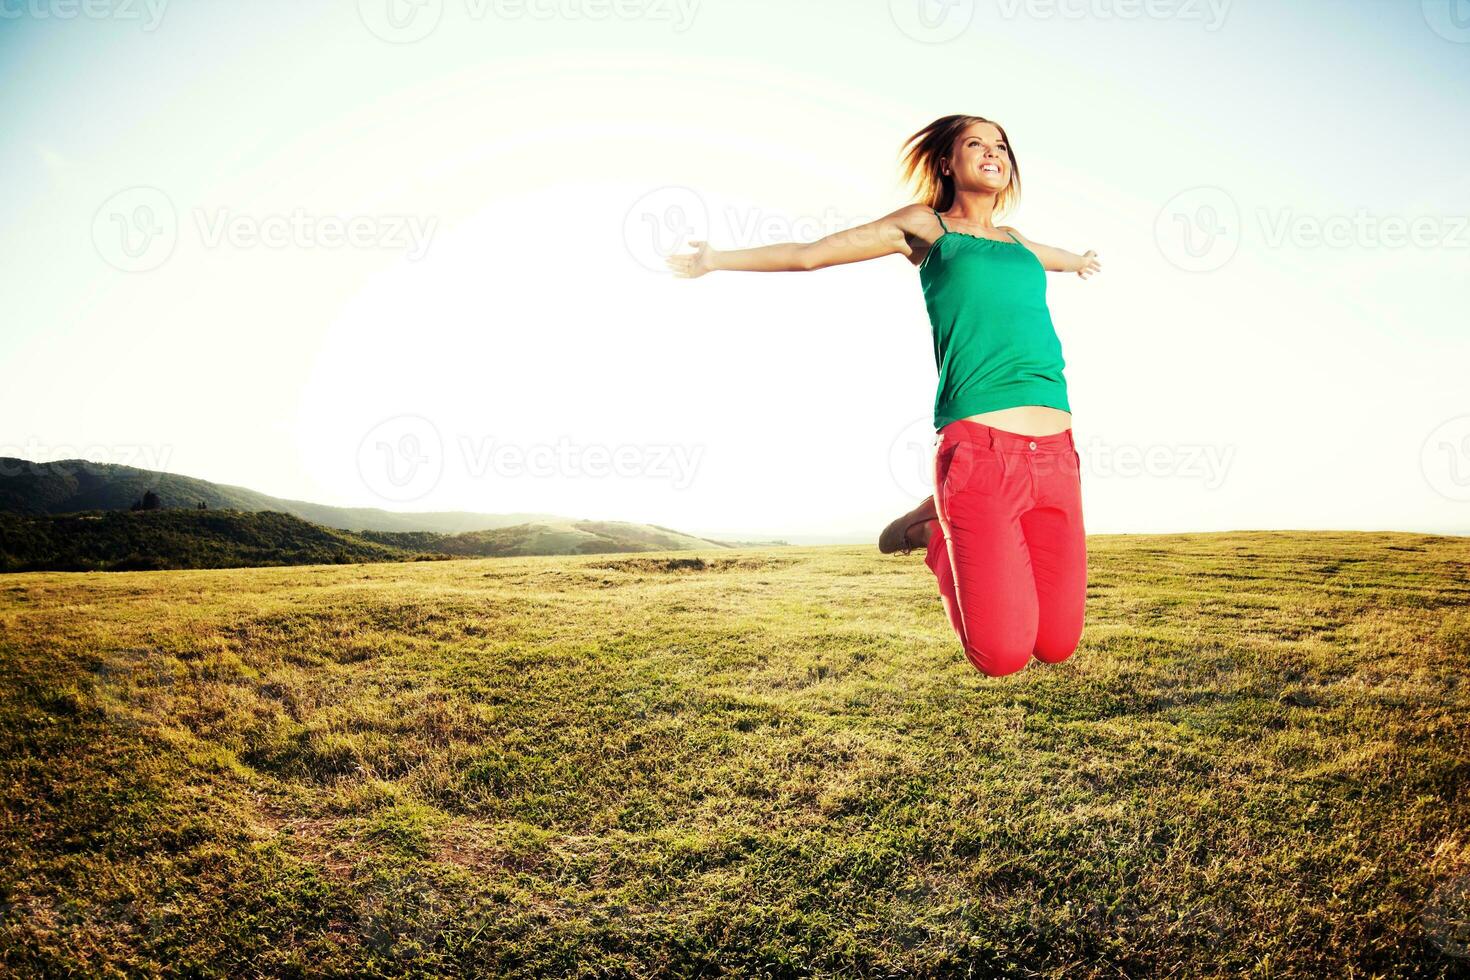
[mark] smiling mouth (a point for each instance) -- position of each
(990, 168)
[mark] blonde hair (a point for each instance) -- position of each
(920, 155)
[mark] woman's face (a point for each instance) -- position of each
(980, 159)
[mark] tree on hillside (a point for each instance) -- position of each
(150, 501)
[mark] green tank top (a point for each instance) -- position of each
(994, 343)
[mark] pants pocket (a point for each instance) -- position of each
(966, 467)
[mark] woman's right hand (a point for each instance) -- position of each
(885, 236)
(692, 265)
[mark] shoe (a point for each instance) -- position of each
(895, 537)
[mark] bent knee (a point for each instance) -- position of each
(1055, 651)
(1055, 655)
(997, 661)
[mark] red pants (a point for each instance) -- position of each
(1009, 548)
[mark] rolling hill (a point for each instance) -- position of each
(157, 539)
(78, 515)
(70, 485)
(133, 540)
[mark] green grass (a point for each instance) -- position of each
(769, 763)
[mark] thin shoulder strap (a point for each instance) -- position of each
(1015, 239)
(941, 221)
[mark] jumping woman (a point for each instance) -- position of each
(1003, 530)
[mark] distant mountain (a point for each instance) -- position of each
(548, 538)
(128, 540)
(70, 485)
(124, 540)
(77, 515)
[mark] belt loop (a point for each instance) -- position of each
(989, 437)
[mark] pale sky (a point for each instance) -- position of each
(409, 255)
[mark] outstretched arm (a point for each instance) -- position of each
(1059, 259)
(887, 235)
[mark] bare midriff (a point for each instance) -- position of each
(1026, 420)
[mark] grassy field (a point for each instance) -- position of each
(764, 763)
